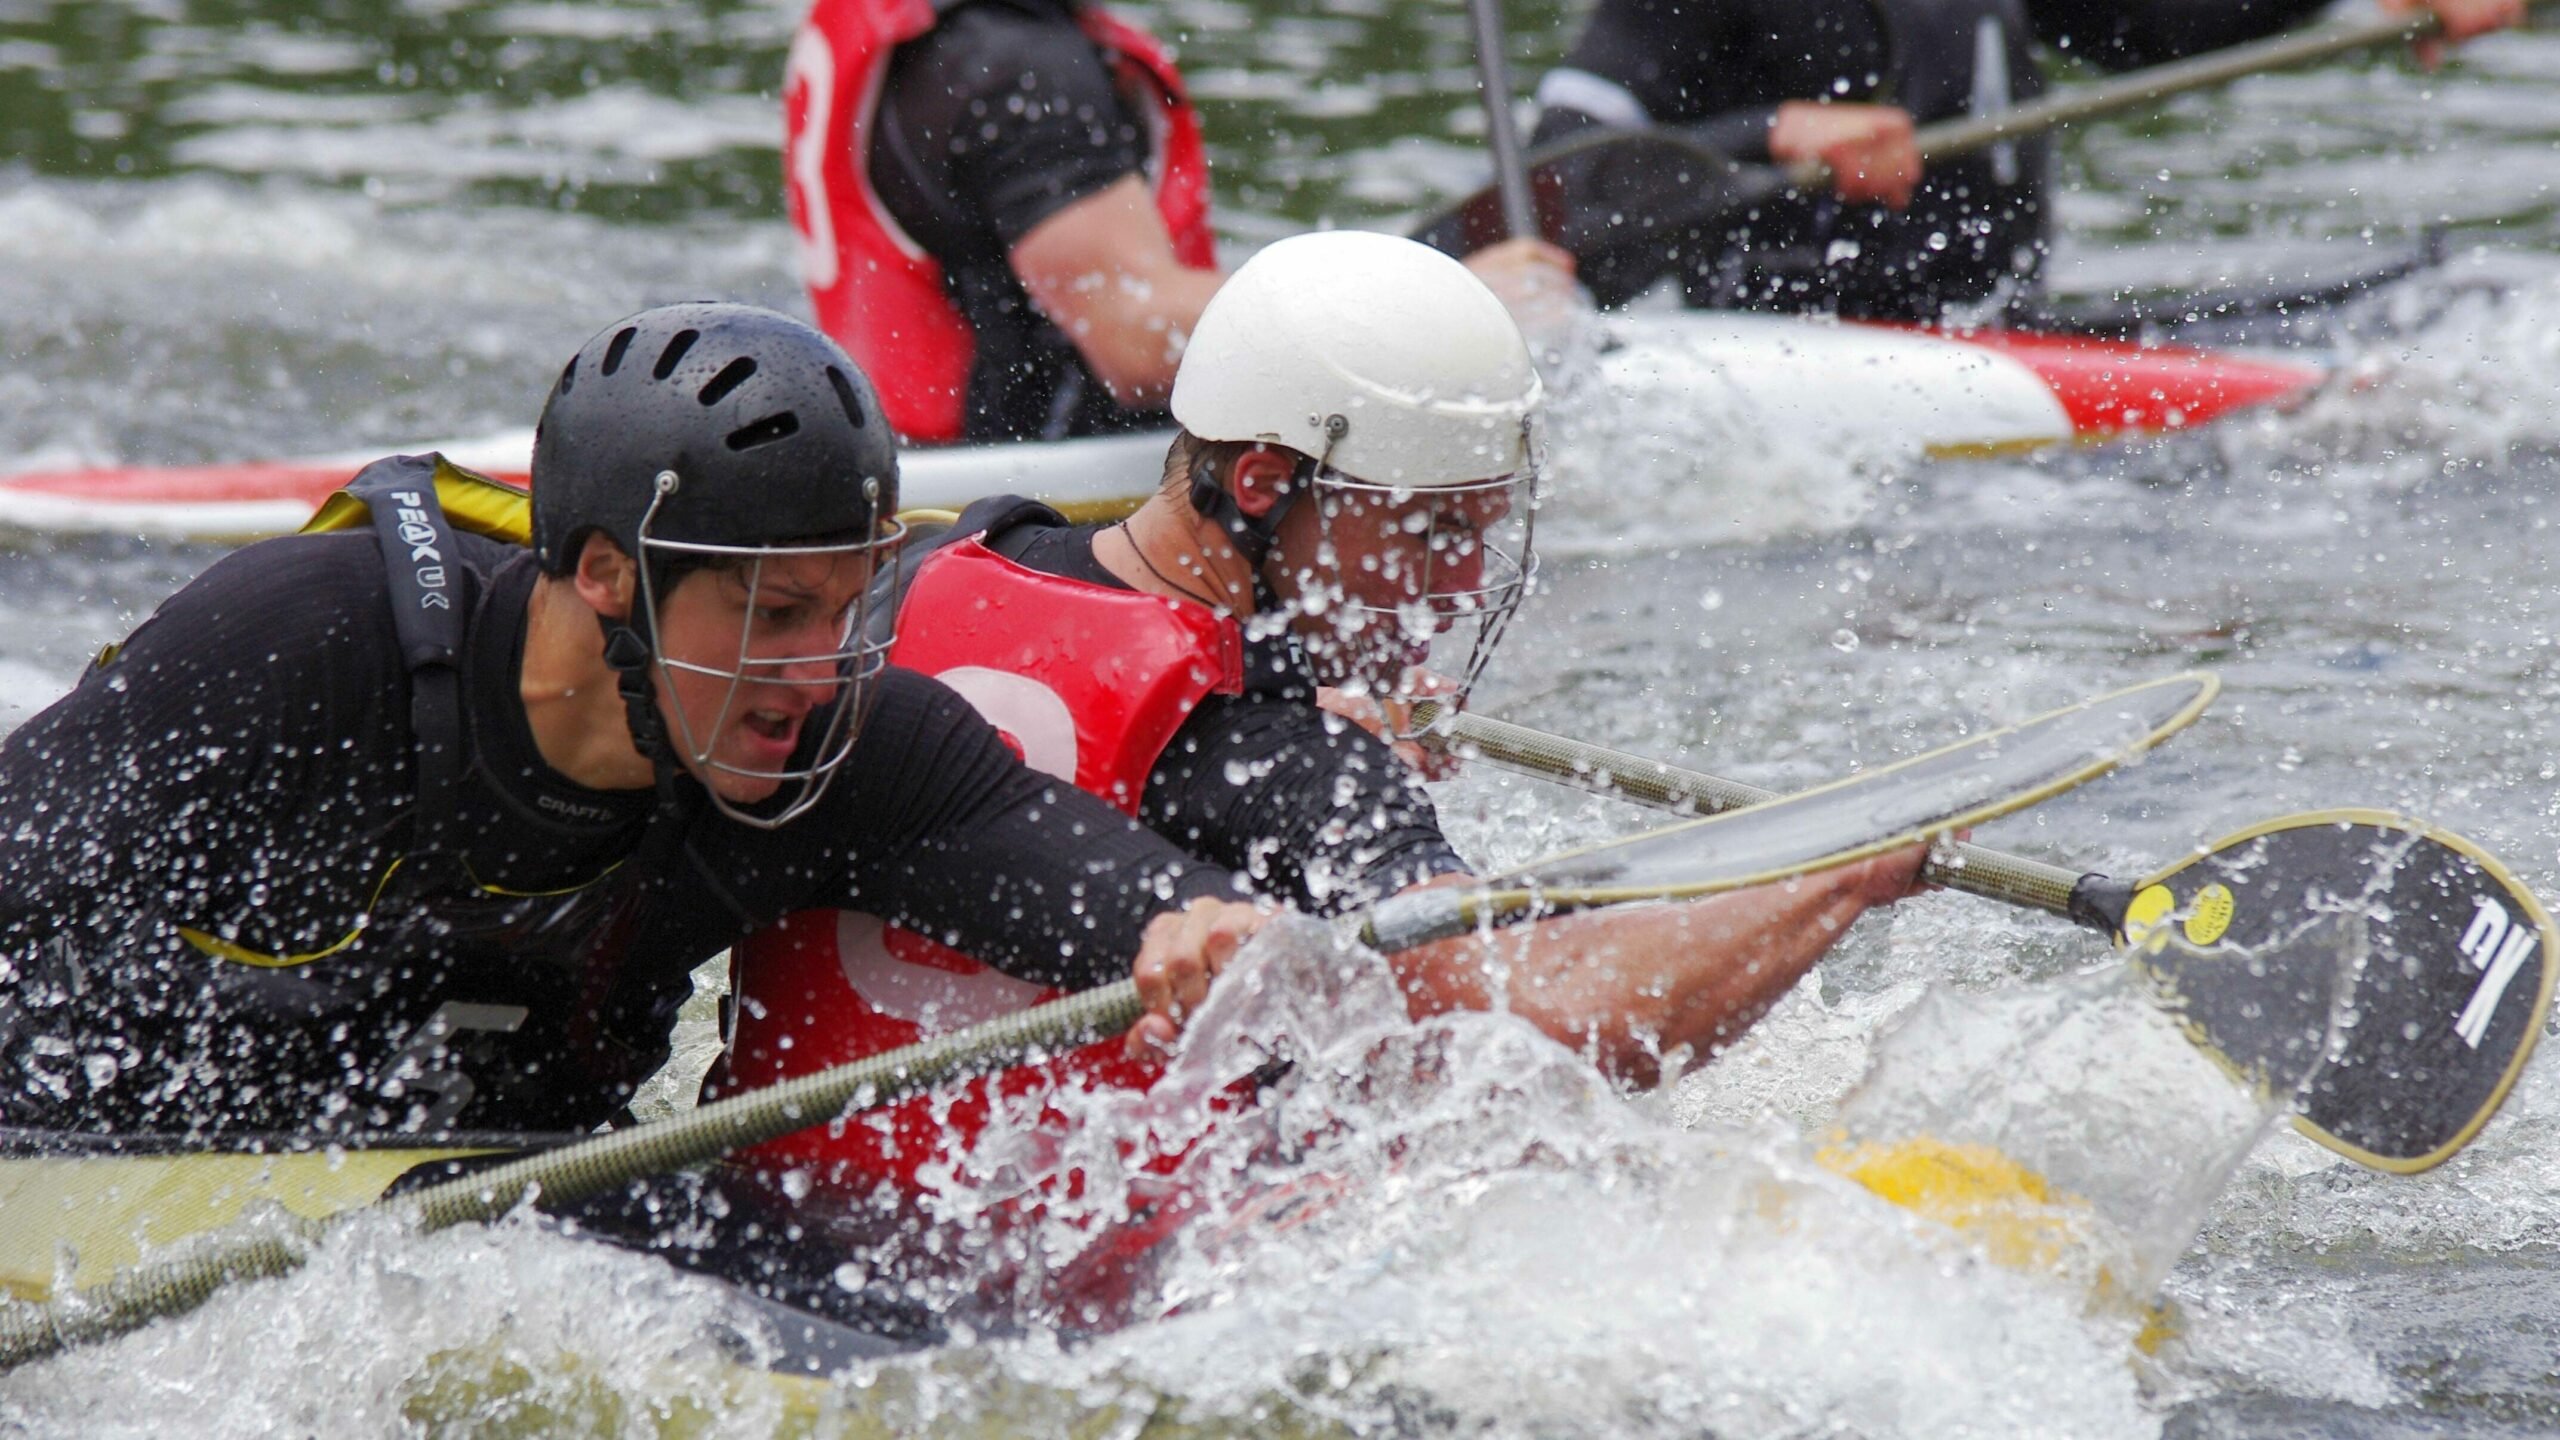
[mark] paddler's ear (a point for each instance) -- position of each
(605, 577)
(1259, 477)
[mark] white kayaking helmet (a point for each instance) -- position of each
(1426, 370)
(1395, 372)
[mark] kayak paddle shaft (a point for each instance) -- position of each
(2149, 86)
(1974, 869)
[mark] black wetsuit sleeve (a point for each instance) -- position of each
(999, 119)
(2127, 34)
(1312, 808)
(222, 730)
(1740, 135)
(1719, 68)
(967, 844)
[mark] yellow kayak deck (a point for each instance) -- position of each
(74, 1218)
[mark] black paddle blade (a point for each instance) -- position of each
(1606, 190)
(2451, 994)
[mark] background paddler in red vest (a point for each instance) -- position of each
(1355, 477)
(1003, 213)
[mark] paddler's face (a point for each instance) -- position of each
(775, 631)
(1372, 574)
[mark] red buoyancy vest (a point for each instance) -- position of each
(875, 290)
(1089, 683)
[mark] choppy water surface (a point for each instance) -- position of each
(232, 230)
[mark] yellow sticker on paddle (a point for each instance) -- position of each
(2210, 916)
(2142, 918)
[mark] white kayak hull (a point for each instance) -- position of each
(1862, 390)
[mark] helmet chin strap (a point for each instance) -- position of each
(1254, 537)
(627, 652)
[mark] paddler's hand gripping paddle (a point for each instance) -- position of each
(1663, 181)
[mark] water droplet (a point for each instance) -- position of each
(1844, 641)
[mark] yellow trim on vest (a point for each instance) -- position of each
(471, 500)
(221, 949)
(485, 888)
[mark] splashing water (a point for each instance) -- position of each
(1655, 437)
(2382, 621)
(1458, 1219)
(2451, 377)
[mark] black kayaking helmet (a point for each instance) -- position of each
(706, 434)
(772, 432)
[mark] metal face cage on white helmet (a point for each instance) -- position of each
(844, 673)
(1403, 571)
(1407, 384)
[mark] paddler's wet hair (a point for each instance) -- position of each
(1190, 457)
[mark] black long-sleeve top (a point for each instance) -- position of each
(245, 770)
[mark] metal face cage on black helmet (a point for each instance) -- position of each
(842, 674)
(717, 435)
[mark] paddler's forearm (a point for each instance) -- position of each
(1623, 987)
(1103, 270)
(1628, 985)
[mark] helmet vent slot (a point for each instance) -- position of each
(765, 431)
(844, 396)
(732, 375)
(569, 375)
(614, 352)
(673, 355)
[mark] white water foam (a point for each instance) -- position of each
(204, 319)
(1461, 1230)
(24, 690)
(2461, 381)
(1458, 1220)
(1668, 449)
(615, 133)
(480, 1325)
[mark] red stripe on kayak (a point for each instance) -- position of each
(2111, 386)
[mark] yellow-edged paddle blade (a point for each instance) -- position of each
(2453, 992)
(1884, 809)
